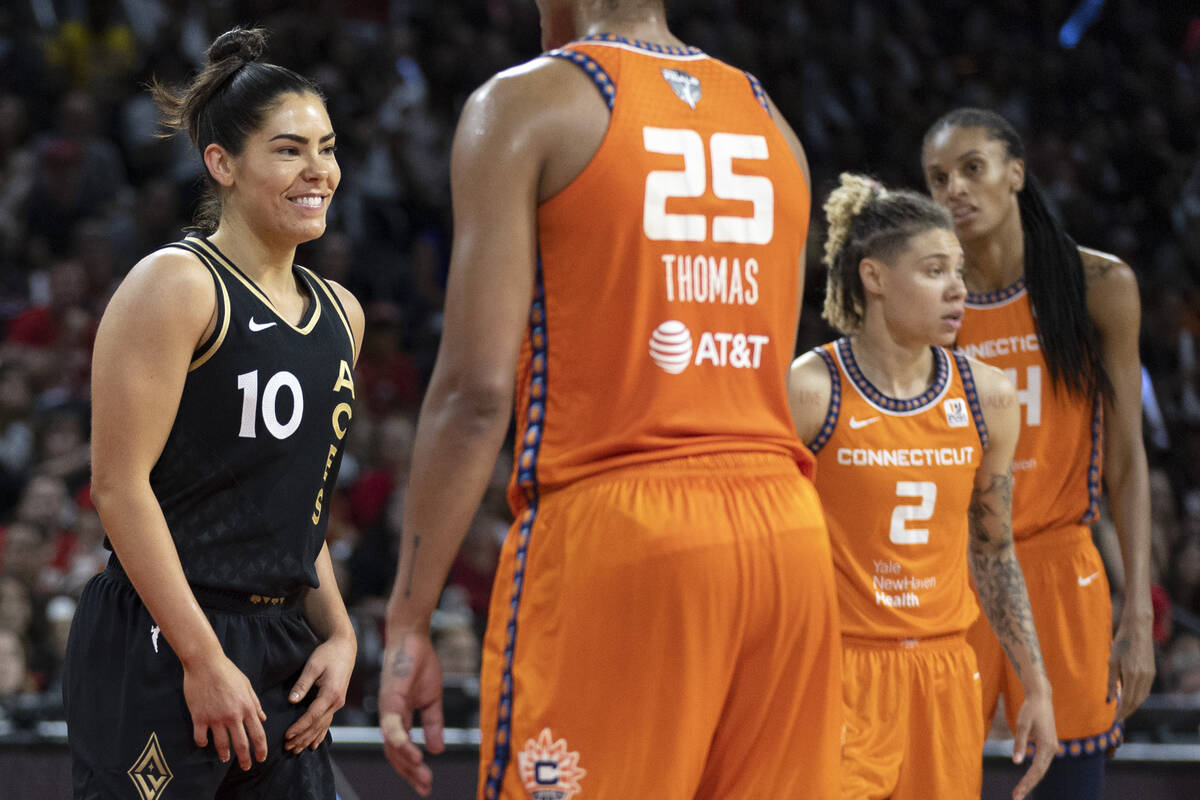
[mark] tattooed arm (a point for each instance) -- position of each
(997, 574)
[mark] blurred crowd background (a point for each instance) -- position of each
(88, 187)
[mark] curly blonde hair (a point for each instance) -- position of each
(867, 220)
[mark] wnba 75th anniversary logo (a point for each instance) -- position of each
(548, 770)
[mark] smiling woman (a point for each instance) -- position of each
(218, 368)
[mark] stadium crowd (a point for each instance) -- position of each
(87, 187)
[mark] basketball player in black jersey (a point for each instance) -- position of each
(222, 393)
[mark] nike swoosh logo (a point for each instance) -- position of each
(1089, 578)
(862, 423)
(255, 327)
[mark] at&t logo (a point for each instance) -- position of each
(671, 348)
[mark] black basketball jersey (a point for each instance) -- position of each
(245, 477)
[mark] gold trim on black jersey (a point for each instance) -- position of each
(200, 360)
(334, 301)
(224, 309)
(233, 269)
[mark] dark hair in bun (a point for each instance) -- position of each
(226, 102)
(248, 44)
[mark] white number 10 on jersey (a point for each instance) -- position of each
(663, 184)
(248, 383)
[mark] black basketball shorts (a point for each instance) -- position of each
(128, 725)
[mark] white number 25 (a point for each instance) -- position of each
(663, 184)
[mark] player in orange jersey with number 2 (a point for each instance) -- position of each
(914, 447)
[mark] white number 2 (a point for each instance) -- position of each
(901, 533)
(663, 184)
(248, 383)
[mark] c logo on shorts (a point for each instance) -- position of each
(150, 773)
(548, 770)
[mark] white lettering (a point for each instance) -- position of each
(700, 278)
(718, 287)
(906, 600)
(1031, 395)
(684, 273)
(758, 340)
(1007, 345)
(736, 298)
(707, 350)
(906, 457)
(751, 272)
(903, 584)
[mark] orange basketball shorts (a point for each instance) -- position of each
(1068, 591)
(667, 631)
(913, 728)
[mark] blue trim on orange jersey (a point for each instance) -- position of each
(968, 379)
(651, 47)
(998, 296)
(1105, 742)
(759, 94)
(527, 481)
(835, 402)
(592, 67)
(890, 403)
(1093, 473)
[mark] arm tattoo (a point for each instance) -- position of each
(402, 665)
(998, 576)
(991, 507)
(412, 567)
(1097, 269)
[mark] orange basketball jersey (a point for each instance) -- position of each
(668, 279)
(1056, 468)
(895, 478)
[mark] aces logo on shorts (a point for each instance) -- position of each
(150, 773)
(548, 770)
(956, 412)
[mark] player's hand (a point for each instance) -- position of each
(221, 699)
(1035, 722)
(1131, 665)
(329, 669)
(411, 681)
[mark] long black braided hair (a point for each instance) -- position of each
(1054, 275)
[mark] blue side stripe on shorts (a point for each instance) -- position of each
(535, 417)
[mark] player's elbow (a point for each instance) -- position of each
(476, 404)
(106, 490)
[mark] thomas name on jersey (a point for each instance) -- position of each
(708, 279)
